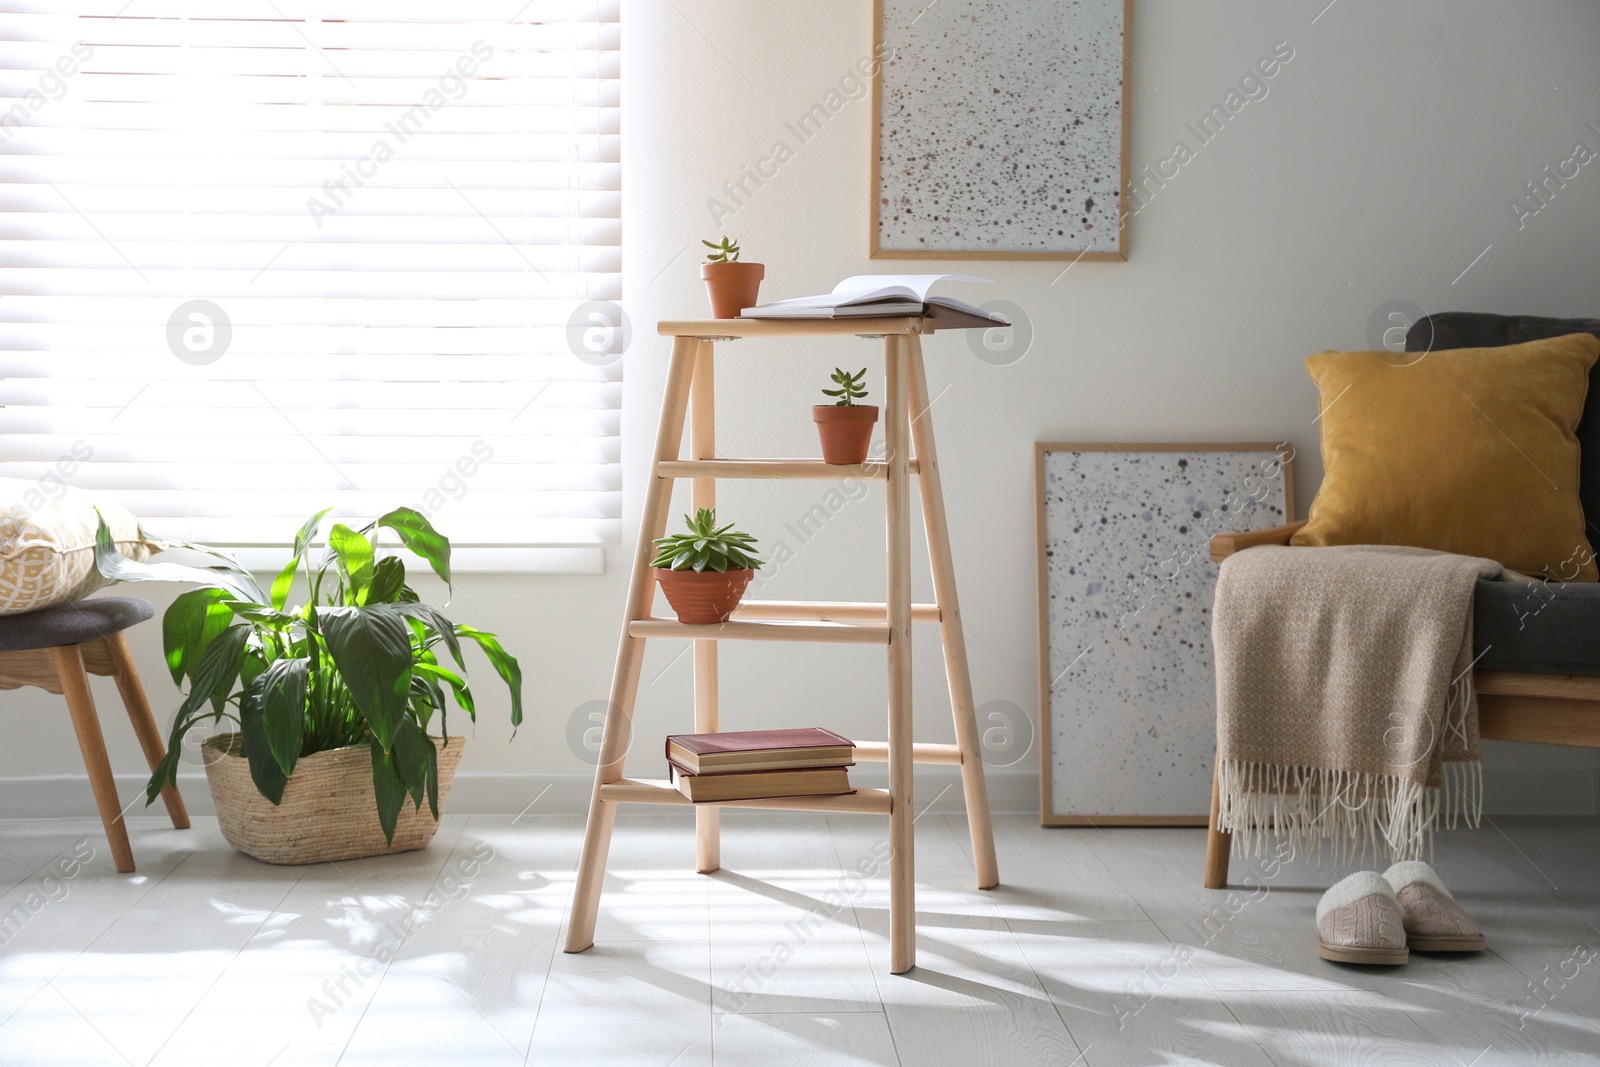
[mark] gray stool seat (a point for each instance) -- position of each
(72, 624)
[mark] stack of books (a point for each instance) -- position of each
(758, 764)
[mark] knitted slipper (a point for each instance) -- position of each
(1359, 921)
(1434, 922)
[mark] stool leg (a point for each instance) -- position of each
(1218, 843)
(80, 703)
(144, 722)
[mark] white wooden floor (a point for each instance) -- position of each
(1099, 948)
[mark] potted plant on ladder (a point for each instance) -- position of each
(333, 699)
(731, 285)
(845, 426)
(704, 572)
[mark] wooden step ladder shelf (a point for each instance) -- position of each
(874, 470)
(909, 450)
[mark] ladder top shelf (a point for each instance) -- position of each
(720, 328)
(933, 317)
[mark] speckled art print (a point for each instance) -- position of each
(1126, 689)
(1000, 129)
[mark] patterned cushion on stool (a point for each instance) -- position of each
(72, 624)
(47, 543)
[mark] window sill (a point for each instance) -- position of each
(464, 559)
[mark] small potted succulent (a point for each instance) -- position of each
(704, 571)
(845, 426)
(731, 285)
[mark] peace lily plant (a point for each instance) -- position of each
(356, 663)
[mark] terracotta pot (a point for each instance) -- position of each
(328, 812)
(732, 286)
(703, 597)
(846, 432)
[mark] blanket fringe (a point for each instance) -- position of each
(1307, 806)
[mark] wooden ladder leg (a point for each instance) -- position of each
(92, 743)
(703, 494)
(1218, 843)
(952, 637)
(126, 676)
(902, 866)
(630, 652)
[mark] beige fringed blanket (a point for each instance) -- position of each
(1345, 707)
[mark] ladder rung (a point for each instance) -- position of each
(850, 634)
(656, 791)
(871, 470)
(878, 752)
(827, 611)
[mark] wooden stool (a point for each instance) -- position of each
(57, 649)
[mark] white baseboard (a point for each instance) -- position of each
(1573, 791)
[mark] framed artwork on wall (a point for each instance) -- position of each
(1000, 129)
(1127, 698)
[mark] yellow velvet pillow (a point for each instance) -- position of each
(1471, 450)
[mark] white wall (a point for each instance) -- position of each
(1388, 148)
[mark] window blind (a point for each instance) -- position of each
(261, 257)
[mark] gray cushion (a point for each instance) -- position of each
(1541, 627)
(72, 624)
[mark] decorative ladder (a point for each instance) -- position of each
(908, 432)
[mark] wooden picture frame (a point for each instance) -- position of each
(877, 251)
(1268, 513)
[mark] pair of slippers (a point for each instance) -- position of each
(1380, 918)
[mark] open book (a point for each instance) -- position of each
(878, 295)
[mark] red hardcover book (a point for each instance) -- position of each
(760, 750)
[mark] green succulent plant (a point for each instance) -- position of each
(707, 546)
(850, 386)
(725, 252)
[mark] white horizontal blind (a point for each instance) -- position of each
(397, 207)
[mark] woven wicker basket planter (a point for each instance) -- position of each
(328, 811)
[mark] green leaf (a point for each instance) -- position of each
(271, 618)
(458, 685)
(302, 541)
(411, 750)
(189, 625)
(283, 583)
(264, 769)
(308, 532)
(433, 777)
(216, 670)
(418, 534)
(436, 622)
(114, 565)
(284, 709)
(388, 581)
(389, 790)
(504, 663)
(427, 697)
(371, 647)
(355, 556)
(166, 772)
